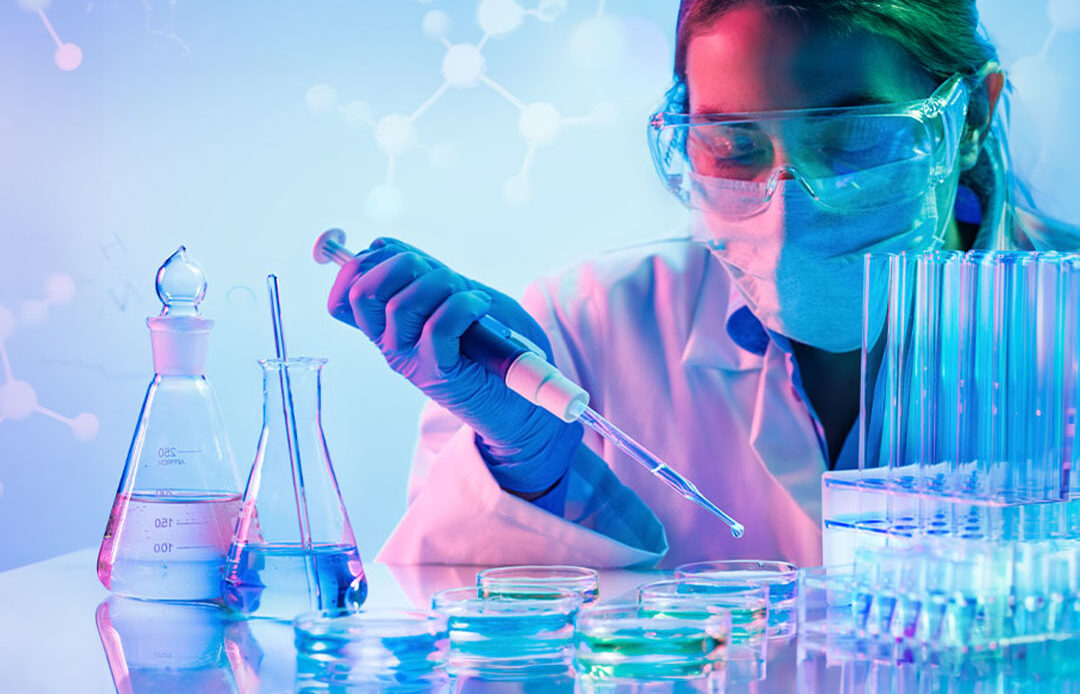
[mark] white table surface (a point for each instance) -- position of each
(55, 622)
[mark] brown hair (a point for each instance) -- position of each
(943, 36)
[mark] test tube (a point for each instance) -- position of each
(1047, 377)
(967, 452)
(877, 281)
(932, 366)
(949, 415)
(896, 364)
(1070, 472)
(987, 393)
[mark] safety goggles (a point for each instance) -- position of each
(847, 159)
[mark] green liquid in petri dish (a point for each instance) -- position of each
(642, 653)
(533, 593)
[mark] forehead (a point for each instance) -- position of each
(754, 58)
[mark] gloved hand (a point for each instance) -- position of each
(415, 310)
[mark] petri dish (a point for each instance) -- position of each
(746, 605)
(631, 642)
(781, 578)
(508, 580)
(385, 649)
(499, 636)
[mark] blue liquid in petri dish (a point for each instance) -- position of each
(271, 580)
(396, 661)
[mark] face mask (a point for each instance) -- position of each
(799, 266)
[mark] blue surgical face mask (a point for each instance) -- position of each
(800, 267)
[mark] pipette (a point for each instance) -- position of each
(526, 371)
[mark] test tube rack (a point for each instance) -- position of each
(961, 526)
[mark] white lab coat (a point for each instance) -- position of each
(644, 331)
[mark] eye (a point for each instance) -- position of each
(721, 150)
(727, 142)
(863, 142)
(851, 136)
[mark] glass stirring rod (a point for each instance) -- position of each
(311, 563)
(525, 370)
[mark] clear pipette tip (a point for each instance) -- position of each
(639, 453)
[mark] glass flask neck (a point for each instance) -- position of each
(295, 382)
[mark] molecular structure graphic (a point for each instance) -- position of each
(18, 400)
(1037, 81)
(68, 56)
(463, 67)
(167, 28)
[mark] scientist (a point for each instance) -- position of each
(801, 134)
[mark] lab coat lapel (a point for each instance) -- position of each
(782, 434)
(708, 343)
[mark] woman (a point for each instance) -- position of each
(802, 134)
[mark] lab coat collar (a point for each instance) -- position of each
(719, 312)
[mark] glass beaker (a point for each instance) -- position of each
(178, 497)
(294, 549)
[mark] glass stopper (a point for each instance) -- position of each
(181, 285)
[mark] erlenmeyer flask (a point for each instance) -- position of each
(294, 548)
(178, 498)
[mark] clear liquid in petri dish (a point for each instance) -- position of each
(782, 597)
(747, 623)
(270, 580)
(169, 546)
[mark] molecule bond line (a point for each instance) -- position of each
(168, 28)
(463, 67)
(18, 399)
(67, 56)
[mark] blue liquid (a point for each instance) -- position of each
(271, 580)
(522, 643)
(412, 662)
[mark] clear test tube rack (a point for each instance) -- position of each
(969, 473)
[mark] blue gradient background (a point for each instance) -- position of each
(208, 141)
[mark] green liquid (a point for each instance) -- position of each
(642, 653)
(512, 593)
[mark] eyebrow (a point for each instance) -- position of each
(843, 101)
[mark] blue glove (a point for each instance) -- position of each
(415, 310)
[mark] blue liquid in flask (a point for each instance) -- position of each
(294, 550)
(272, 579)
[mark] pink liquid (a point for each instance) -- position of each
(168, 547)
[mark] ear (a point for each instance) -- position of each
(984, 100)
